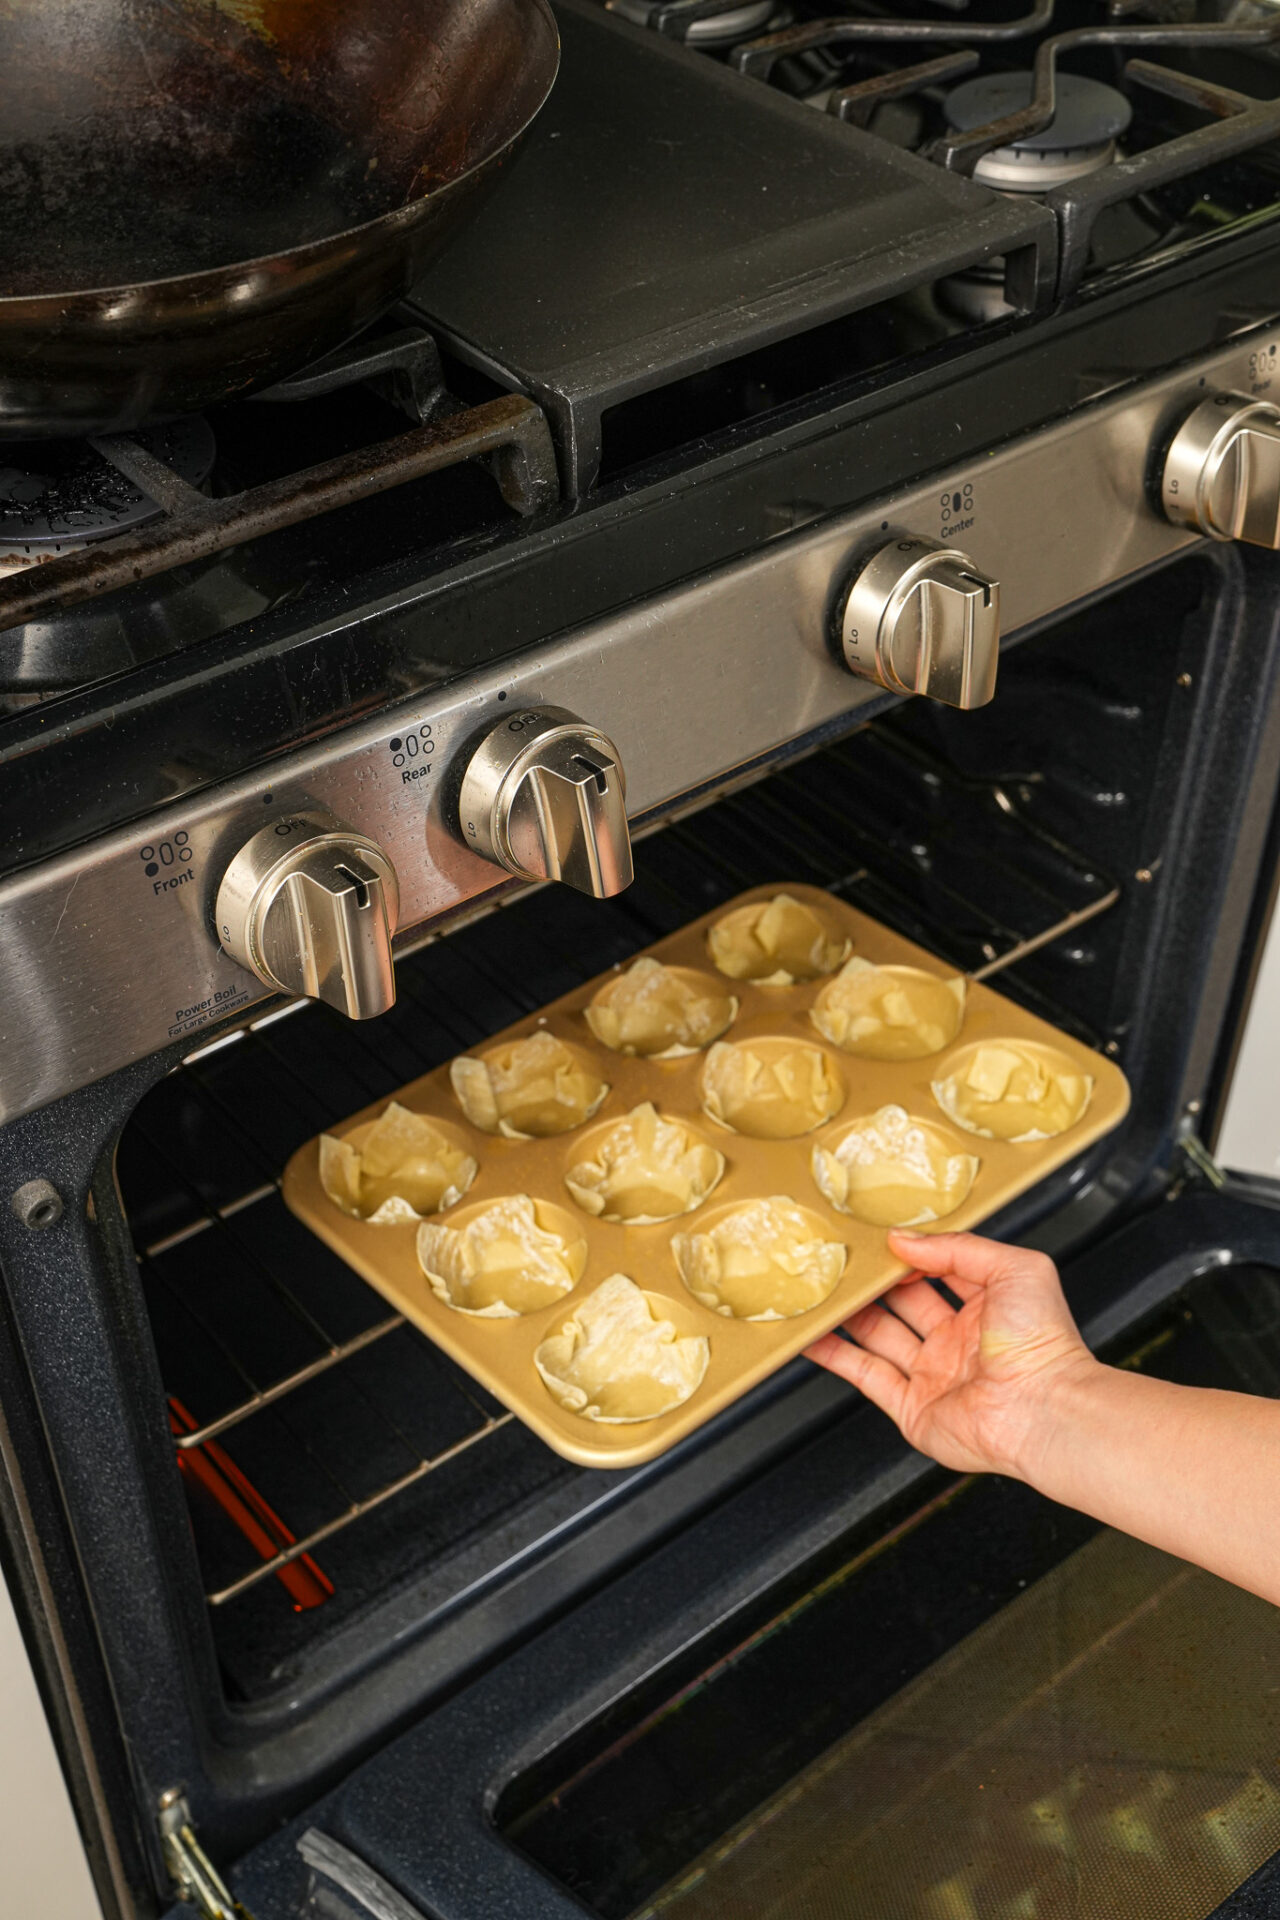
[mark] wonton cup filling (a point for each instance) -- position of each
(1013, 1090)
(776, 943)
(615, 1362)
(401, 1166)
(659, 1012)
(892, 1171)
(508, 1259)
(764, 1260)
(528, 1089)
(889, 1013)
(645, 1168)
(770, 1089)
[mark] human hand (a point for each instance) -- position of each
(973, 1388)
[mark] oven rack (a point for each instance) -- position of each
(959, 864)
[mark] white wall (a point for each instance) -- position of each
(1249, 1137)
(43, 1871)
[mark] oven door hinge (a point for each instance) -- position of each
(190, 1868)
(1196, 1152)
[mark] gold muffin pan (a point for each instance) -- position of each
(499, 1352)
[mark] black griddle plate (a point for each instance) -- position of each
(668, 214)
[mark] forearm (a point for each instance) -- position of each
(1191, 1470)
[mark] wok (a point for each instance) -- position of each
(198, 197)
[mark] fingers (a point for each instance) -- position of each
(877, 1378)
(967, 1262)
(880, 1333)
(916, 1302)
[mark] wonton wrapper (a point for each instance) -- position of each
(659, 1012)
(776, 943)
(397, 1167)
(643, 1169)
(1013, 1090)
(764, 1260)
(771, 1089)
(528, 1089)
(615, 1362)
(889, 1013)
(892, 1171)
(507, 1259)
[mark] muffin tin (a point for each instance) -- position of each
(499, 1351)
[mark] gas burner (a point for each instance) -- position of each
(59, 495)
(709, 29)
(1088, 119)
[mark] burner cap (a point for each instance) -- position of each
(1088, 113)
(711, 29)
(61, 494)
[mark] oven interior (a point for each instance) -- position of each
(343, 1480)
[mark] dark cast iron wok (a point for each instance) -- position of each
(199, 196)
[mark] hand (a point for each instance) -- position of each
(972, 1388)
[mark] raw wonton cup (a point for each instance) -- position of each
(401, 1166)
(660, 1012)
(503, 1258)
(528, 1089)
(643, 1168)
(889, 1169)
(621, 1356)
(1015, 1090)
(776, 943)
(889, 1012)
(772, 1088)
(760, 1260)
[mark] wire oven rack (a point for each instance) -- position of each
(325, 1445)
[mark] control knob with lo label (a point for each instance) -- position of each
(543, 794)
(920, 617)
(1221, 475)
(309, 905)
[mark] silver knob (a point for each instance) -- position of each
(544, 795)
(1222, 472)
(310, 906)
(921, 618)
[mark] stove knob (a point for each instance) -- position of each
(544, 795)
(922, 618)
(310, 906)
(1222, 472)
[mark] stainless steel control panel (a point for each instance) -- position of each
(111, 952)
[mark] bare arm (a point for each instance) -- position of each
(1006, 1385)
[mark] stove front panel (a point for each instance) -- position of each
(109, 953)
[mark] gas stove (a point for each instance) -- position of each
(749, 272)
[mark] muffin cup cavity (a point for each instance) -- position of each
(889, 1012)
(778, 942)
(658, 1012)
(1013, 1089)
(402, 1166)
(503, 1258)
(771, 1088)
(530, 1088)
(643, 1169)
(760, 1260)
(890, 1169)
(621, 1357)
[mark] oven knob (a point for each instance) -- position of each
(310, 906)
(922, 618)
(543, 794)
(1222, 472)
